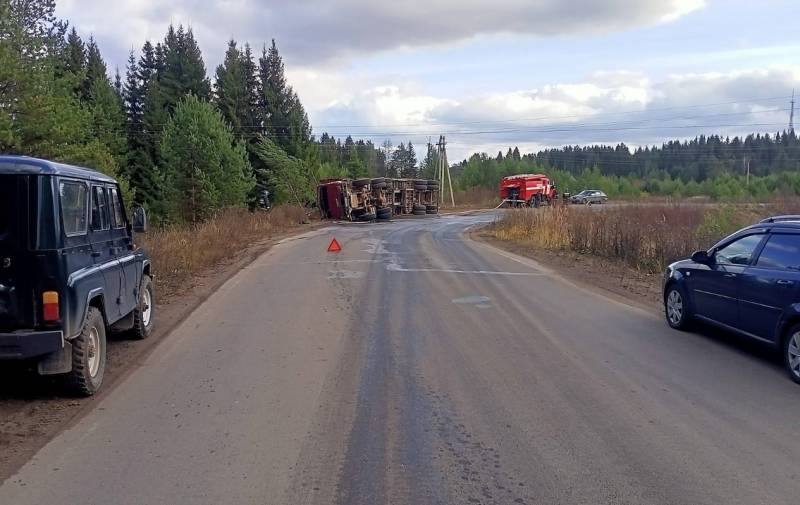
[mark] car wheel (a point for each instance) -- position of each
(144, 311)
(791, 353)
(676, 308)
(89, 355)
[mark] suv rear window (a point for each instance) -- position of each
(73, 207)
(782, 252)
(8, 204)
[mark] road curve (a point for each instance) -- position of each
(417, 366)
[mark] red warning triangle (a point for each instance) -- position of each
(334, 247)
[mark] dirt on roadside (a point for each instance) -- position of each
(34, 409)
(609, 276)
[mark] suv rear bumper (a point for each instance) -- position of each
(25, 344)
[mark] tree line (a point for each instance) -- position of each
(706, 165)
(181, 144)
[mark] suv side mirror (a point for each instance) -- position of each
(701, 257)
(139, 220)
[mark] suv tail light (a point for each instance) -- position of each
(50, 306)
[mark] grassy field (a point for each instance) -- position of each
(646, 237)
(181, 252)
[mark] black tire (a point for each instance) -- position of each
(419, 213)
(378, 180)
(360, 183)
(791, 353)
(366, 217)
(384, 216)
(421, 188)
(379, 185)
(677, 310)
(147, 301)
(85, 346)
(431, 211)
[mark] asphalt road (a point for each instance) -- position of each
(419, 367)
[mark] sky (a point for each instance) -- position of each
(493, 75)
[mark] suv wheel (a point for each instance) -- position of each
(89, 355)
(676, 308)
(144, 311)
(791, 353)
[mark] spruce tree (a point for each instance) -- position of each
(184, 70)
(96, 71)
(75, 59)
(231, 93)
(273, 96)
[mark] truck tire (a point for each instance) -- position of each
(384, 214)
(360, 183)
(144, 311)
(89, 355)
(378, 180)
(367, 217)
(379, 185)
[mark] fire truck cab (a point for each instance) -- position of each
(528, 190)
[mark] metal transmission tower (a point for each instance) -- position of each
(791, 116)
(442, 170)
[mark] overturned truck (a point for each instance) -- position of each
(381, 198)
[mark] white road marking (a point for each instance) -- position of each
(393, 267)
(470, 300)
(345, 274)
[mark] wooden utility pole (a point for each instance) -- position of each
(746, 166)
(443, 168)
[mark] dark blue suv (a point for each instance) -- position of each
(69, 269)
(748, 283)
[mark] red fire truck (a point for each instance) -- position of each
(528, 189)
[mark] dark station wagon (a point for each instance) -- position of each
(69, 269)
(748, 283)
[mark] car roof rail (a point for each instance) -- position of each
(776, 219)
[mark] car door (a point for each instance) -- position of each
(770, 285)
(105, 257)
(123, 251)
(715, 288)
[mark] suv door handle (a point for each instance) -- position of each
(783, 282)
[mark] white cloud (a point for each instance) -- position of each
(320, 30)
(606, 107)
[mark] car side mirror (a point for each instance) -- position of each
(701, 257)
(139, 220)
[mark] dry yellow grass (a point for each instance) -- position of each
(181, 252)
(646, 237)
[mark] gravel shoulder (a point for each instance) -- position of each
(612, 278)
(34, 409)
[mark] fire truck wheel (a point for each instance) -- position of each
(360, 183)
(367, 217)
(377, 180)
(379, 185)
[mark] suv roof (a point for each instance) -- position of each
(36, 166)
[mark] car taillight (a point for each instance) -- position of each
(50, 306)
